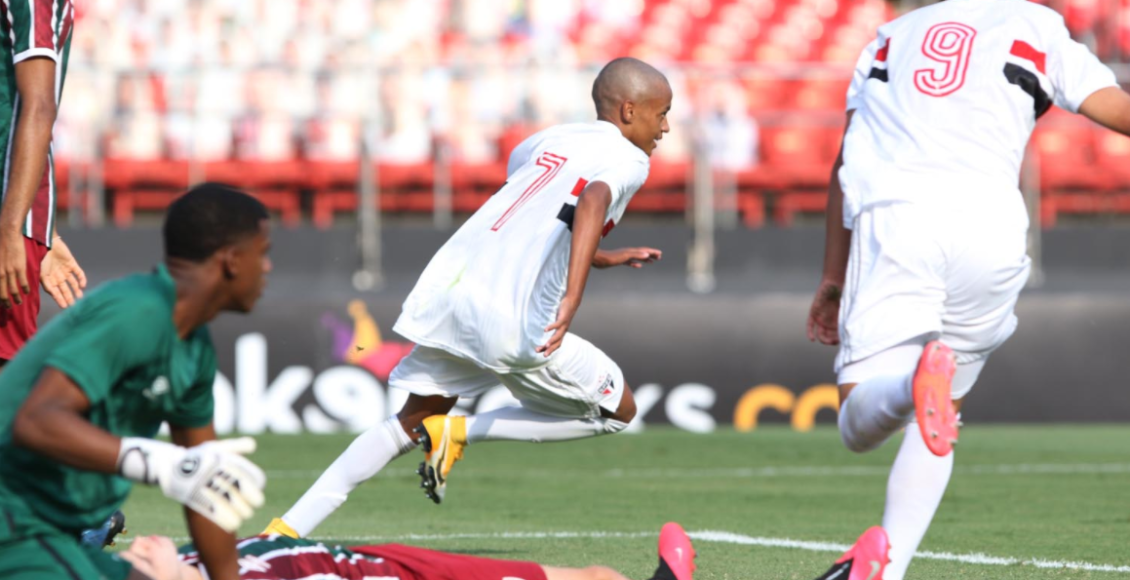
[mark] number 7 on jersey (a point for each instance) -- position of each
(551, 164)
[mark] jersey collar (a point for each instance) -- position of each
(165, 279)
(606, 126)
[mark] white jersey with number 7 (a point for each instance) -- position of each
(946, 98)
(490, 291)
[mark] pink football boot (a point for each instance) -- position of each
(866, 560)
(675, 552)
(933, 406)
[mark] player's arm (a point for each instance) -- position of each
(588, 223)
(630, 257)
(837, 240)
(824, 314)
(1109, 107)
(223, 485)
(216, 546)
(51, 422)
(35, 83)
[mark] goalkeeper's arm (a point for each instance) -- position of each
(212, 478)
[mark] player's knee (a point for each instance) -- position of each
(626, 411)
(852, 437)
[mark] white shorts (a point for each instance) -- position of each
(918, 272)
(578, 381)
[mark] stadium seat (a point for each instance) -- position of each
(275, 183)
(143, 185)
(473, 183)
(666, 188)
(402, 187)
(1063, 149)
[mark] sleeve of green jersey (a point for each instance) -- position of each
(107, 339)
(197, 407)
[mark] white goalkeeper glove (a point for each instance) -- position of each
(213, 478)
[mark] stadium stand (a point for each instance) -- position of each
(277, 96)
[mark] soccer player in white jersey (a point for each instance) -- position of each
(926, 233)
(494, 305)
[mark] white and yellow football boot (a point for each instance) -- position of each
(443, 438)
(280, 528)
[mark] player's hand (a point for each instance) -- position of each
(13, 269)
(155, 557)
(213, 478)
(824, 316)
(631, 257)
(60, 274)
(560, 327)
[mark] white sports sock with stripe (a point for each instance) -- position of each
(874, 410)
(519, 424)
(366, 456)
(916, 486)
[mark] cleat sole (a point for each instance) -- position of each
(933, 406)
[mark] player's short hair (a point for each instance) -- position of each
(209, 217)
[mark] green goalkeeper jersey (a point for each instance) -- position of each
(120, 346)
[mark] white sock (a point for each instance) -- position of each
(367, 455)
(520, 424)
(918, 481)
(874, 410)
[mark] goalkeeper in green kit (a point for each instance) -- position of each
(80, 403)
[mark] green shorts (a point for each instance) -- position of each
(29, 552)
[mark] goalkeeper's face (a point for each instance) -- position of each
(156, 557)
(246, 267)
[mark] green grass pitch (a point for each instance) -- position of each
(1054, 493)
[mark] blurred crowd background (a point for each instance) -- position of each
(306, 101)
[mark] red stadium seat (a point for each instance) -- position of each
(153, 185)
(472, 184)
(1112, 151)
(1067, 158)
(665, 189)
(143, 185)
(275, 183)
(403, 187)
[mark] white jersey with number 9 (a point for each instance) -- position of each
(946, 98)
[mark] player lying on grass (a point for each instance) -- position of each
(277, 557)
(80, 403)
(495, 304)
(927, 230)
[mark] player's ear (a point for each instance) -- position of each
(627, 112)
(229, 261)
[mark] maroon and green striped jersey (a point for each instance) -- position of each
(32, 28)
(280, 558)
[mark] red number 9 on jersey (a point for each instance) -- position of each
(949, 43)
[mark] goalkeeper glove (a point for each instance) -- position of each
(213, 478)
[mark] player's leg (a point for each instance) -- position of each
(589, 573)
(676, 562)
(876, 395)
(435, 380)
(985, 280)
(582, 393)
(893, 304)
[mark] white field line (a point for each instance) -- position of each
(756, 472)
(728, 538)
